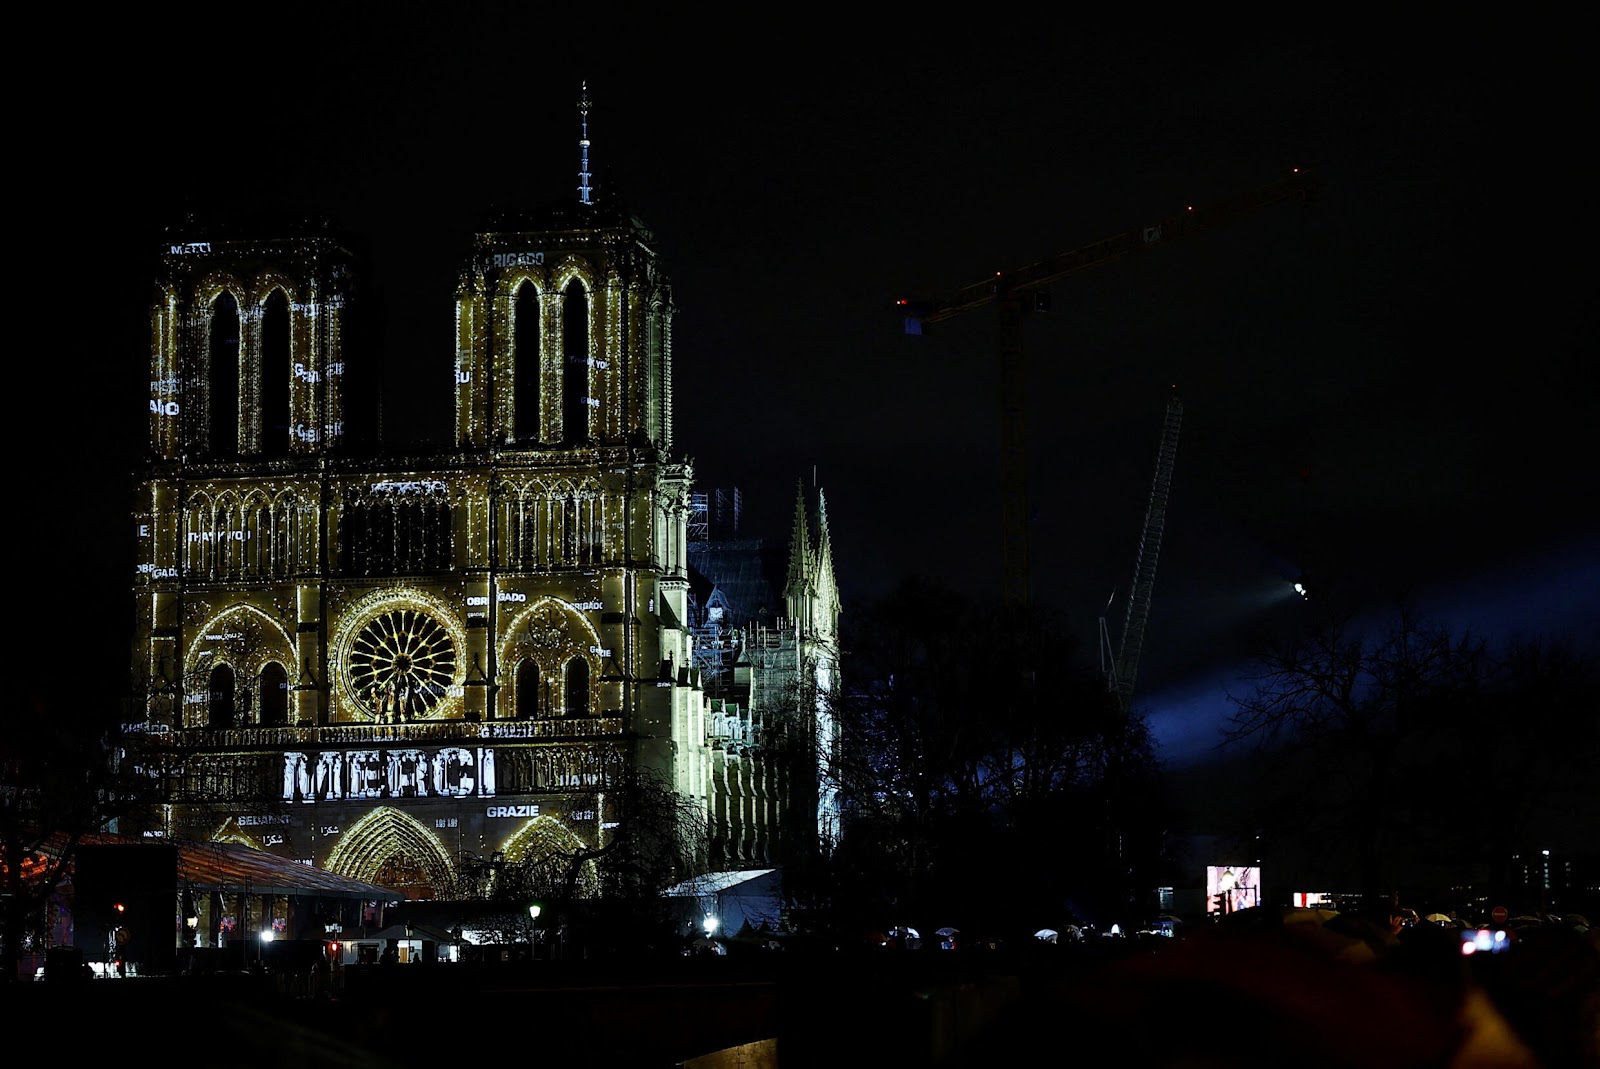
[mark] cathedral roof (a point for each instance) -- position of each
(739, 570)
(608, 212)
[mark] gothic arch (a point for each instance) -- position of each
(528, 350)
(553, 633)
(386, 835)
(261, 638)
(241, 639)
(576, 327)
(545, 842)
(229, 832)
(270, 279)
(570, 268)
(271, 359)
(227, 326)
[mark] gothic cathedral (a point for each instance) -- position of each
(390, 663)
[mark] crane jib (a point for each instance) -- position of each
(1180, 224)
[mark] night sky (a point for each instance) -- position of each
(1386, 389)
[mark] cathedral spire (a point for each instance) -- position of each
(827, 585)
(798, 587)
(583, 145)
(799, 545)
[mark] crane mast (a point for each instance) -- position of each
(1125, 666)
(1012, 293)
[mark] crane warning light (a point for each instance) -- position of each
(914, 312)
(118, 907)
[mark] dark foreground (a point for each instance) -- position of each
(1276, 998)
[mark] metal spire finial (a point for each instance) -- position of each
(583, 145)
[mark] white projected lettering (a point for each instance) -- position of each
(517, 259)
(503, 596)
(512, 811)
(328, 304)
(164, 408)
(411, 486)
(189, 248)
(219, 536)
(463, 377)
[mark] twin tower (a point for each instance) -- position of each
(394, 656)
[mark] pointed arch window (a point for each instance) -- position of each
(220, 697)
(577, 687)
(525, 366)
(530, 685)
(222, 376)
(276, 375)
(575, 367)
(274, 699)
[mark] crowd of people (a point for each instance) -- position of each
(1359, 988)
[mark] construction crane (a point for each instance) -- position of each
(1122, 667)
(1015, 292)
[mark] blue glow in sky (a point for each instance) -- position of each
(1551, 595)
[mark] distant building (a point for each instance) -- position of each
(404, 661)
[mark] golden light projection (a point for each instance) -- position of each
(398, 659)
(401, 665)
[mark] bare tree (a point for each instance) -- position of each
(978, 739)
(1421, 751)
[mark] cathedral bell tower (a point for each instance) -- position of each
(246, 347)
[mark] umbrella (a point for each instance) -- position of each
(1439, 918)
(910, 938)
(947, 938)
(1049, 935)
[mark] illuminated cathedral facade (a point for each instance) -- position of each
(399, 663)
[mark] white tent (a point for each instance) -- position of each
(734, 899)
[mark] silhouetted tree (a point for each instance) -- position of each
(976, 740)
(1426, 754)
